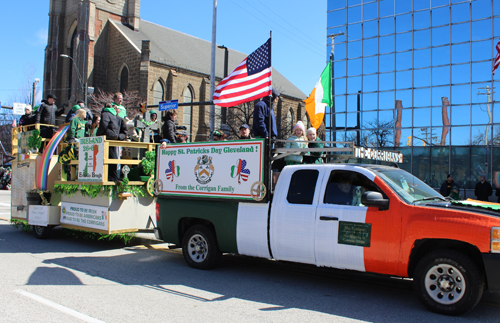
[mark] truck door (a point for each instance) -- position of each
(293, 215)
(341, 232)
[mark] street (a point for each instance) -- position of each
(65, 279)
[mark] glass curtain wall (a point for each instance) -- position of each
(416, 76)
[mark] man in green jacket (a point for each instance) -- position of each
(117, 102)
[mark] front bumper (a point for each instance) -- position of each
(492, 270)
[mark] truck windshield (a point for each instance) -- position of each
(408, 187)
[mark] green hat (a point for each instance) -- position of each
(76, 107)
(152, 112)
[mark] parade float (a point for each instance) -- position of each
(56, 183)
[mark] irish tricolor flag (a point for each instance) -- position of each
(320, 97)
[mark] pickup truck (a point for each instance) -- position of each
(360, 217)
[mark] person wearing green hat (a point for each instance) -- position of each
(71, 114)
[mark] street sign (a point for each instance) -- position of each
(168, 105)
(18, 108)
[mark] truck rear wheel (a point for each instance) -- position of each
(448, 282)
(40, 232)
(199, 247)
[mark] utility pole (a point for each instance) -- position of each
(333, 134)
(35, 82)
(226, 55)
(212, 70)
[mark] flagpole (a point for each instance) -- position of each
(212, 71)
(270, 125)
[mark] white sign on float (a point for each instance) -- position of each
(18, 108)
(38, 215)
(227, 169)
(91, 159)
(88, 216)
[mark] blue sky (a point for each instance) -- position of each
(298, 28)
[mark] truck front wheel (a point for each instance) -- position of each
(199, 247)
(448, 282)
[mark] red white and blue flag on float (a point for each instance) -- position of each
(249, 81)
(497, 58)
(172, 170)
(240, 171)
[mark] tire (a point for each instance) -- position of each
(199, 247)
(41, 232)
(448, 282)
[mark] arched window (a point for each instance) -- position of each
(187, 97)
(70, 62)
(157, 92)
(124, 79)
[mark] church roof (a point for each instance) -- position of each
(177, 49)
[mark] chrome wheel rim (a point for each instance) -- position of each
(445, 284)
(197, 248)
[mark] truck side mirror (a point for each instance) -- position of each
(371, 198)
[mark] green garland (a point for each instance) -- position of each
(148, 163)
(123, 186)
(66, 189)
(35, 141)
(92, 191)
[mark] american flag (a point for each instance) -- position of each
(240, 171)
(250, 80)
(170, 172)
(497, 58)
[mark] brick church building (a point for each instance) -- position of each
(112, 49)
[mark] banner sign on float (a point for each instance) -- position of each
(225, 169)
(377, 154)
(88, 216)
(91, 159)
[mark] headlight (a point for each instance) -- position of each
(495, 239)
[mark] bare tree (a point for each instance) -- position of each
(131, 99)
(380, 134)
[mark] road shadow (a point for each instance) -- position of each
(278, 285)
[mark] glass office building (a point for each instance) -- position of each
(416, 76)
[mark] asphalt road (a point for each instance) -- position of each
(65, 279)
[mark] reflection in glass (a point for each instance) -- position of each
(438, 93)
(440, 75)
(422, 38)
(440, 16)
(369, 11)
(436, 133)
(422, 4)
(421, 117)
(422, 97)
(386, 44)
(460, 12)
(354, 31)
(480, 9)
(369, 101)
(446, 121)
(340, 120)
(481, 72)
(352, 103)
(460, 33)
(339, 103)
(460, 94)
(354, 66)
(460, 53)
(441, 55)
(403, 6)
(386, 100)
(403, 23)
(352, 120)
(481, 50)
(386, 26)
(422, 19)
(460, 136)
(460, 165)
(353, 49)
(370, 28)
(386, 81)
(460, 115)
(398, 116)
(422, 163)
(370, 46)
(479, 157)
(353, 84)
(403, 60)
(386, 63)
(403, 41)
(370, 83)
(403, 80)
(386, 8)
(354, 14)
(480, 114)
(440, 36)
(460, 74)
(421, 58)
(336, 18)
(478, 28)
(422, 77)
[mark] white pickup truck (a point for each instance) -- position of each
(367, 218)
